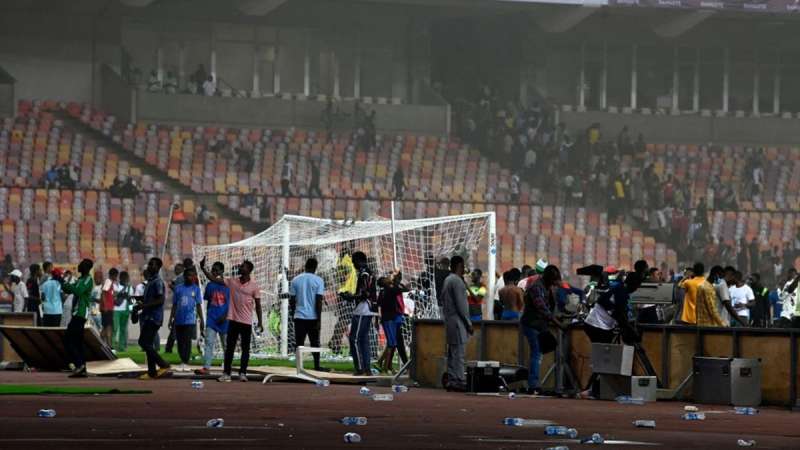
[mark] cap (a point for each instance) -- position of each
(540, 265)
(610, 269)
(57, 273)
(16, 273)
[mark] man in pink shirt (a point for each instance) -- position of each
(245, 296)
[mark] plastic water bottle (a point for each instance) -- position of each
(383, 397)
(364, 391)
(352, 438)
(512, 396)
(557, 430)
(644, 423)
(215, 423)
(690, 408)
(596, 439)
(353, 421)
(197, 384)
(514, 421)
(746, 443)
(323, 383)
(746, 411)
(47, 413)
(560, 447)
(694, 416)
(628, 400)
(399, 388)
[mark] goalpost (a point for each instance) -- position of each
(279, 253)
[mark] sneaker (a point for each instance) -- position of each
(322, 369)
(145, 377)
(243, 378)
(225, 378)
(183, 368)
(161, 373)
(202, 371)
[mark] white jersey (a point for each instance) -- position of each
(788, 301)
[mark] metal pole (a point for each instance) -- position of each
(394, 240)
(492, 267)
(172, 208)
(285, 289)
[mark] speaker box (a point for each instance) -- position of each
(612, 359)
(483, 376)
(727, 381)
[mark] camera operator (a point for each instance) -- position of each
(611, 311)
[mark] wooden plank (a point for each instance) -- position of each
(718, 345)
(580, 355)
(43, 347)
(7, 353)
(502, 344)
(651, 344)
(681, 351)
(774, 352)
(115, 367)
(429, 352)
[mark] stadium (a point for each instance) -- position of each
(399, 223)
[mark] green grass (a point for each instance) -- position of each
(138, 357)
(32, 389)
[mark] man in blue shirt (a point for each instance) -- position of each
(306, 293)
(151, 318)
(185, 311)
(218, 297)
(52, 300)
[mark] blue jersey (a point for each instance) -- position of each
(219, 298)
(185, 302)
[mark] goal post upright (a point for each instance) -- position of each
(285, 290)
(488, 302)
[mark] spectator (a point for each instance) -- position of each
(203, 215)
(34, 299)
(151, 319)
(365, 306)
(52, 300)
(171, 83)
(398, 183)
(511, 295)
(742, 298)
(313, 185)
(514, 189)
(186, 309)
(198, 78)
(108, 294)
(8, 265)
(458, 327)
(307, 292)
(760, 312)
(707, 313)
(392, 308)
(540, 302)
(209, 87)
(245, 299)
(476, 292)
(18, 290)
(755, 256)
(218, 297)
(153, 83)
(287, 173)
(691, 281)
(73, 337)
(123, 300)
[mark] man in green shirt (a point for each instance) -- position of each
(73, 338)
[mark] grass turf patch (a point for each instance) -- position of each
(33, 389)
(138, 357)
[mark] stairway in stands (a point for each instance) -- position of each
(170, 185)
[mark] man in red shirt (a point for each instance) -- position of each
(245, 296)
(110, 288)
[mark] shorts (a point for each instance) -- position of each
(390, 330)
(510, 315)
(107, 318)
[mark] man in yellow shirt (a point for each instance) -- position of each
(707, 314)
(345, 271)
(692, 280)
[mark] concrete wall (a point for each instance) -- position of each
(117, 97)
(7, 100)
(247, 112)
(690, 128)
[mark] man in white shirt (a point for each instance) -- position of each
(209, 87)
(19, 290)
(742, 298)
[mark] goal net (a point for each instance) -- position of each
(279, 253)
